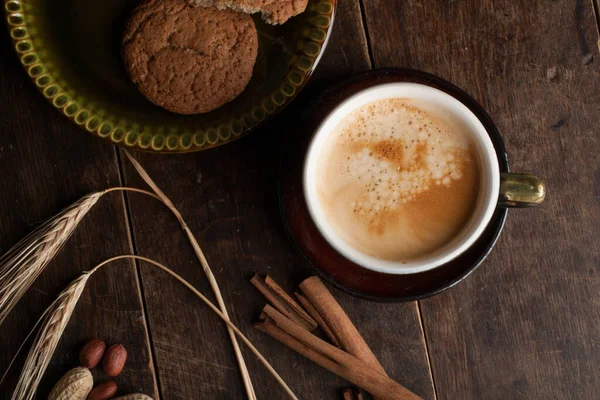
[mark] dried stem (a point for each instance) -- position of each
(57, 316)
(22, 264)
(207, 271)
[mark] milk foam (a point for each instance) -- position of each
(396, 181)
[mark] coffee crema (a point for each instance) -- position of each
(395, 181)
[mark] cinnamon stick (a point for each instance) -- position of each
(330, 357)
(267, 325)
(283, 302)
(348, 394)
(338, 322)
(317, 317)
(352, 394)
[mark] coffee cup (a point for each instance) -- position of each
(419, 247)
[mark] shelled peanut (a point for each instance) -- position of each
(114, 360)
(104, 391)
(91, 353)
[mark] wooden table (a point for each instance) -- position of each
(525, 325)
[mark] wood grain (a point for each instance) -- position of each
(47, 163)
(347, 51)
(228, 197)
(524, 325)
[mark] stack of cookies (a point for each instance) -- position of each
(193, 56)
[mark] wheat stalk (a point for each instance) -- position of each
(207, 271)
(55, 319)
(57, 315)
(21, 265)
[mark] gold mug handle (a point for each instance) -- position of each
(520, 190)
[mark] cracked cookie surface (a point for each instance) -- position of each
(274, 12)
(187, 59)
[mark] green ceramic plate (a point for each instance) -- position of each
(71, 50)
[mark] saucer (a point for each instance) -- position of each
(331, 265)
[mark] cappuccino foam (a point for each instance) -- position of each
(395, 181)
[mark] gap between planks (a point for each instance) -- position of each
(596, 7)
(417, 303)
(140, 285)
(424, 334)
(365, 27)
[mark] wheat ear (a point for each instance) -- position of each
(57, 315)
(55, 319)
(207, 271)
(21, 265)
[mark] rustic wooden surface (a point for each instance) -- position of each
(229, 199)
(524, 325)
(46, 165)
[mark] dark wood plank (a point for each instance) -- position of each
(228, 197)
(47, 163)
(525, 324)
(347, 51)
